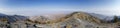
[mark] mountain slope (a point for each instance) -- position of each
(119, 17)
(2, 14)
(73, 20)
(12, 18)
(78, 20)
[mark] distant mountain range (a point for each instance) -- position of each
(2, 14)
(73, 20)
(13, 18)
(102, 17)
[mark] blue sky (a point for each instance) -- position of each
(35, 7)
(26, 3)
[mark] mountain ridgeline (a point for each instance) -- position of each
(12, 18)
(73, 20)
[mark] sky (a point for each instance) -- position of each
(39, 7)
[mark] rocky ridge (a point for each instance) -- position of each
(73, 20)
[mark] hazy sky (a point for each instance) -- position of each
(37, 7)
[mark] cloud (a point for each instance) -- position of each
(2, 10)
(5, 11)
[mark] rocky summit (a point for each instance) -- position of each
(73, 20)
